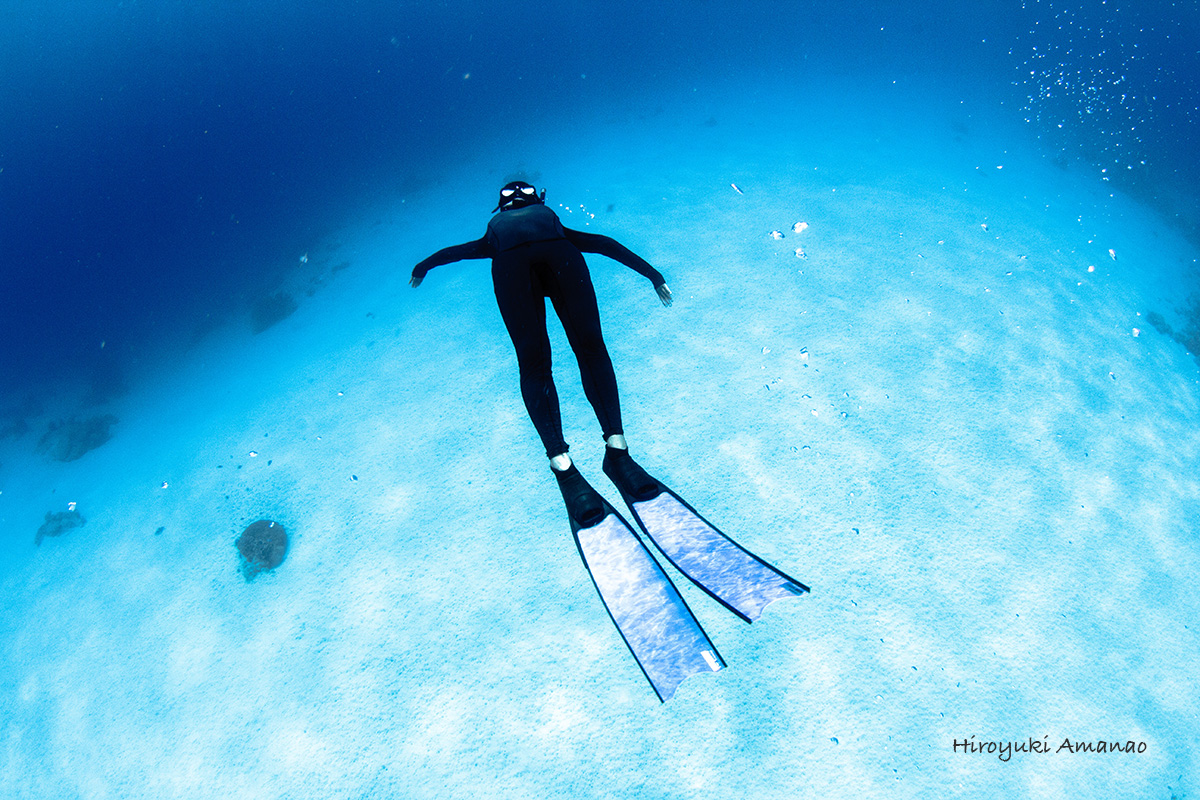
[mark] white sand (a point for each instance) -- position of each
(951, 433)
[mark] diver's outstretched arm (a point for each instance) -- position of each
(605, 246)
(447, 255)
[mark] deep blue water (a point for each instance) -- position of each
(159, 160)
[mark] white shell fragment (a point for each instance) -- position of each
(800, 227)
(775, 235)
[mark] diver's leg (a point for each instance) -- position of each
(574, 301)
(524, 311)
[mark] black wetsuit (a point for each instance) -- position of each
(534, 257)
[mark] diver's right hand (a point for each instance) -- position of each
(415, 280)
(664, 294)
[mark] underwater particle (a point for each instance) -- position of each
(254, 454)
(833, 739)
(263, 546)
(71, 505)
(736, 189)
(766, 350)
(800, 253)
(1137, 331)
(304, 258)
(164, 485)
(800, 227)
(160, 530)
(1091, 268)
(983, 225)
(1112, 254)
(353, 477)
(776, 235)
(58, 524)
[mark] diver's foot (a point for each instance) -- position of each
(584, 504)
(630, 478)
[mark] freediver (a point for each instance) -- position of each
(534, 256)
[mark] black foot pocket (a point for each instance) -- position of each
(630, 478)
(584, 505)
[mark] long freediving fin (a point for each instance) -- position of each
(651, 616)
(728, 572)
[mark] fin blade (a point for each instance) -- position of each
(651, 616)
(740, 580)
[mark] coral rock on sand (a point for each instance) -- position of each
(70, 439)
(58, 524)
(263, 546)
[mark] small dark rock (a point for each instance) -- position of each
(263, 546)
(58, 524)
(1159, 324)
(271, 309)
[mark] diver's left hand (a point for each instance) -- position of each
(664, 294)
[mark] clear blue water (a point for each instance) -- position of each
(156, 155)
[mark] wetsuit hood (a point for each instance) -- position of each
(518, 194)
